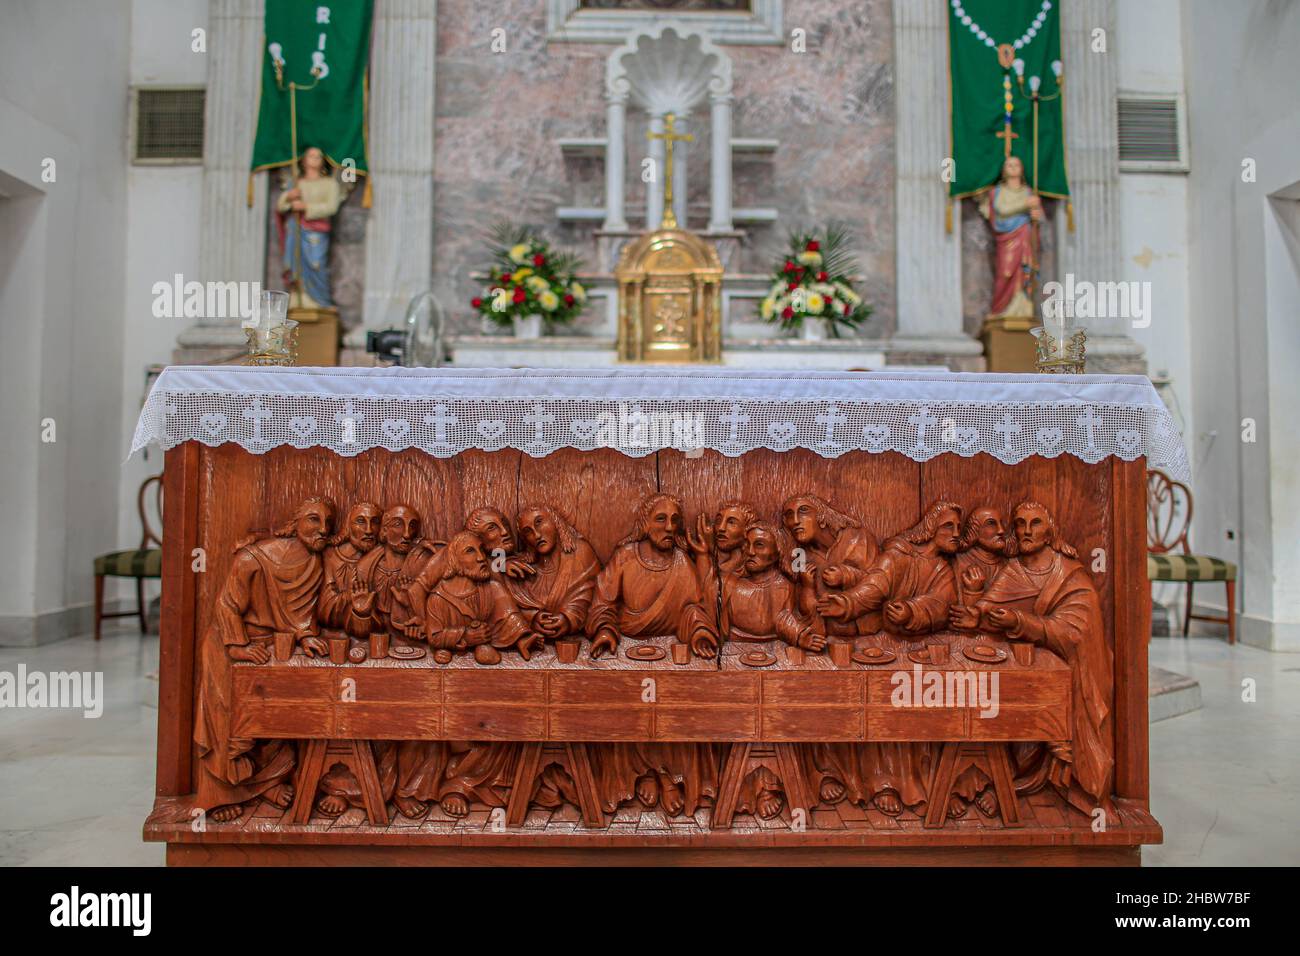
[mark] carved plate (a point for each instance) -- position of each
(357, 655)
(646, 652)
(984, 654)
(406, 652)
(877, 655)
(920, 656)
(757, 659)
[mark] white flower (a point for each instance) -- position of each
(816, 302)
(777, 288)
(767, 307)
(549, 300)
(810, 258)
(519, 253)
(537, 285)
(847, 294)
(577, 291)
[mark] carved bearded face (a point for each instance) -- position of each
(314, 525)
(1033, 529)
(800, 519)
(363, 526)
(401, 529)
(947, 536)
(664, 525)
(990, 532)
(729, 529)
(495, 533)
(760, 551)
(537, 531)
(467, 555)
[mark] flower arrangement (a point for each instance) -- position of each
(528, 278)
(812, 281)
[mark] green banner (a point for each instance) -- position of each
(997, 51)
(323, 50)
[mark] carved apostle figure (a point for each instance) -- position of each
(1046, 596)
(345, 601)
(730, 524)
(832, 553)
(273, 587)
(380, 571)
(651, 586)
(469, 609)
(911, 580)
(555, 599)
(499, 543)
(454, 774)
(758, 598)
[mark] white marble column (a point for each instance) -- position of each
(399, 229)
(720, 162)
(928, 259)
(615, 161)
(232, 237)
(681, 178)
(654, 191)
(1092, 251)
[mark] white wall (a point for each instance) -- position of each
(162, 233)
(1243, 73)
(63, 70)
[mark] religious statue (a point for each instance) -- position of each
(758, 598)
(555, 598)
(1045, 596)
(493, 529)
(1014, 211)
(303, 215)
(345, 602)
(651, 587)
(271, 589)
(733, 520)
(382, 571)
(833, 553)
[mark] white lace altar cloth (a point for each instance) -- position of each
(641, 410)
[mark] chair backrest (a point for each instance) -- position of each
(1169, 513)
(148, 535)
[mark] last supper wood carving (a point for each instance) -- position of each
(499, 658)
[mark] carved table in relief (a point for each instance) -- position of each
(483, 746)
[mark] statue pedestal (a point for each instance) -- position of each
(318, 335)
(1008, 346)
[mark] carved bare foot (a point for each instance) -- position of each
(770, 803)
(987, 801)
(670, 798)
(887, 802)
(455, 804)
(410, 807)
(226, 814)
(647, 791)
(832, 791)
(331, 805)
(956, 807)
(281, 795)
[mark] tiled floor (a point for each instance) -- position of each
(76, 790)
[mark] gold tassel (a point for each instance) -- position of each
(1069, 215)
(368, 196)
(250, 190)
(947, 217)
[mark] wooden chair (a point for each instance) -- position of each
(143, 562)
(1169, 518)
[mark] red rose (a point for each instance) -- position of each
(789, 266)
(539, 260)
(520, 295)
(822, 276)
(813, 246)
(505, 277)
(792, 286)
(569, 300)
(476, 302)
(787, 313)
(847, 308)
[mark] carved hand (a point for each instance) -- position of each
(704, 644)
(518, 568)
(963, 618)
(972, 579)
(1004, 619)
(833, 576)
(898, 613)
(476, 633)
(606, 640)
(835, 606)
(315, 647)
(812, 641)
(254, 653)
(363, 599)
(551, 625)
(699, 538)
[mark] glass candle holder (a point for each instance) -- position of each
(1060, 349)
(272, 336)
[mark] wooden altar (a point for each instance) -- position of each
(778, 725)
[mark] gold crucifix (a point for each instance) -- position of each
(669, 136)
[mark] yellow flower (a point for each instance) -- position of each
(549, 300)
(815, 302)
(810, 258)
(577, 291)
(519, 275)
(519, 253)
(767, 307)
(537, 285)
